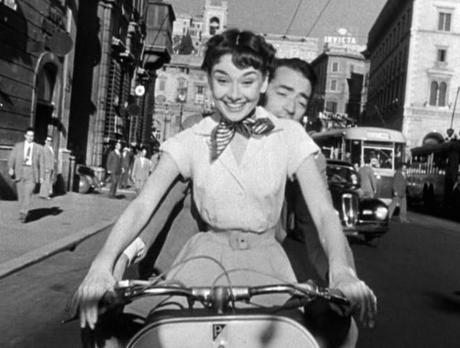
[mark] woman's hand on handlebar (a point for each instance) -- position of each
(358, 293)
(86, 299)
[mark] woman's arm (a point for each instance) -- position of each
(341, 268)
(100, 278)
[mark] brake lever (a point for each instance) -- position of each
(336, 297)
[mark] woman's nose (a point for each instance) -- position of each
(235, 91)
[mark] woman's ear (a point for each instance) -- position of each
(264, 86)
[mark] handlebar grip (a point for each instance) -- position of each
(111, 300)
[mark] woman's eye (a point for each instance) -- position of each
(282, 94)
(248, 82)
(221, 81)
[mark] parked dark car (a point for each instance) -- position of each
(367, 217)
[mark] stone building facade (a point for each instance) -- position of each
(342, 83)
(181, 91)
(291, 46)
(36, 69)
(119, 47)
(414, 53)
(74, 69)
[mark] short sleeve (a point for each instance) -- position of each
(135, 251)
(299, 145)
(180, 148)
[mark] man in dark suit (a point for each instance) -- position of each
(114, 169)
(26, 168)
(126, 164)
(399, 194)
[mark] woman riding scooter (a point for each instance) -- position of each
(239, 160)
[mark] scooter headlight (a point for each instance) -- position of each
(381, 213)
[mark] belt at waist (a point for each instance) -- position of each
(26, 165)
(242, 240)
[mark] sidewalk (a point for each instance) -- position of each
(55, 225)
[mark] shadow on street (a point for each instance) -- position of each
(37, 214)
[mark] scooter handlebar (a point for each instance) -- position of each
(128, 290)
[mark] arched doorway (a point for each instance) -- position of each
(44, 88)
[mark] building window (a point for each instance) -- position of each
(199, 94)
(438, 92)
(214, 25)
(335, 67)
(181, 90)
(441, 55)
(333, 86)
(331, 106)
(10, 3)
(444, 21)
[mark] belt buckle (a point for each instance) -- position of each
(240, 241)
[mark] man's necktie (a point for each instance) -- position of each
(26, 160)
(224, 132)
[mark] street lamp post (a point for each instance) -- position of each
(453, 111)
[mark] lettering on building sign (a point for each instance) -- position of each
(340, 40)
(378, 135)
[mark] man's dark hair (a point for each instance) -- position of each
(29, 129)
(295, 64)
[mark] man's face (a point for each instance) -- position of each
(288, 94)
(117, 146)
(29, 136)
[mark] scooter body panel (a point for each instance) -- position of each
(248, 331)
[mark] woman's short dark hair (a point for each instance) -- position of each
(247, 50)
(295, 64)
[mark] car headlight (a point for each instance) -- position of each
(381, 213)
(354, 179)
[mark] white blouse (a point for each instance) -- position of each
(246, 196)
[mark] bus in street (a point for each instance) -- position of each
(384, 147)
(433, 175)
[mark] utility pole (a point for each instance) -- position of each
(453, 111)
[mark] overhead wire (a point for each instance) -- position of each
(294, 15)
(318, 17)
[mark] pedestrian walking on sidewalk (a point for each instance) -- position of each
(141, 170)
(26, 169)
(114, 169)
(46, 188)
(399, 194)
(126, 166)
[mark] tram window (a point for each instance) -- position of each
(355, 150)
(399, 153)
(379, 158)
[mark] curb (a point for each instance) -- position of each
(68, 243)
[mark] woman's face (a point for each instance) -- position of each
(235, 91)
